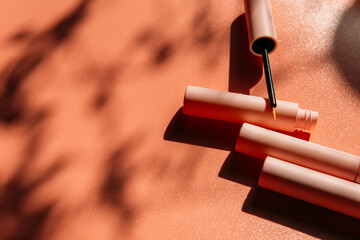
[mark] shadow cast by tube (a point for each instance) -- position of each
(202, 131)
(301, 216)
(241, 168)
(245, 68)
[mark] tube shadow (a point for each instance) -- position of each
(346, 48)
(241, 168)
(301, 216)
(202, 131)
(245, 68)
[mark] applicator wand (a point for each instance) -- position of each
(269, 81)
(262, 38)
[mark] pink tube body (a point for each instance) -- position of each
(311, 186)
(259, 142)
(260, 26)
(239, 108)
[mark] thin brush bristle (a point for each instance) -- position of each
(274, 113)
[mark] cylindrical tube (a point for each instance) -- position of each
(260, 26)
(311, 186)
(239, 108)
(260, 142)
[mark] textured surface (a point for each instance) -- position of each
(93, 145)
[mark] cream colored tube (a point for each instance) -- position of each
(311, 186)
(239, 108)
(260, 142)
(260, 26)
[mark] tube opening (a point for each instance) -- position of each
(260, 44)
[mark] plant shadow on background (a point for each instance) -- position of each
(200, 38)
(244, 169)
(161, 49)
(112, 190)
(15, 112)
(38, 48)
(346, 47)
(17, 223)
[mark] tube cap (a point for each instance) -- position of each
(260, 26)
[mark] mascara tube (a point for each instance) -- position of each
(240, 108)
(260, 143)
(311, 186)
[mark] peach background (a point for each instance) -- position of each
(92, 142)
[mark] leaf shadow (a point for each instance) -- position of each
(37, 50)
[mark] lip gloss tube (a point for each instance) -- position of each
(240, 108)
(311, 186)
(260, 143)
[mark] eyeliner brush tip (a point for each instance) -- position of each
(274, 113)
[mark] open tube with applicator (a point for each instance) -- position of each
(240, 108)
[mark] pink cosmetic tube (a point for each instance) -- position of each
(260, 143)
(311, 186)
(260, 25)
(240, 108)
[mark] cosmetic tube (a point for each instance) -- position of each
(240, 108)
(311, 186)
(260, 25)
(260, 143)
